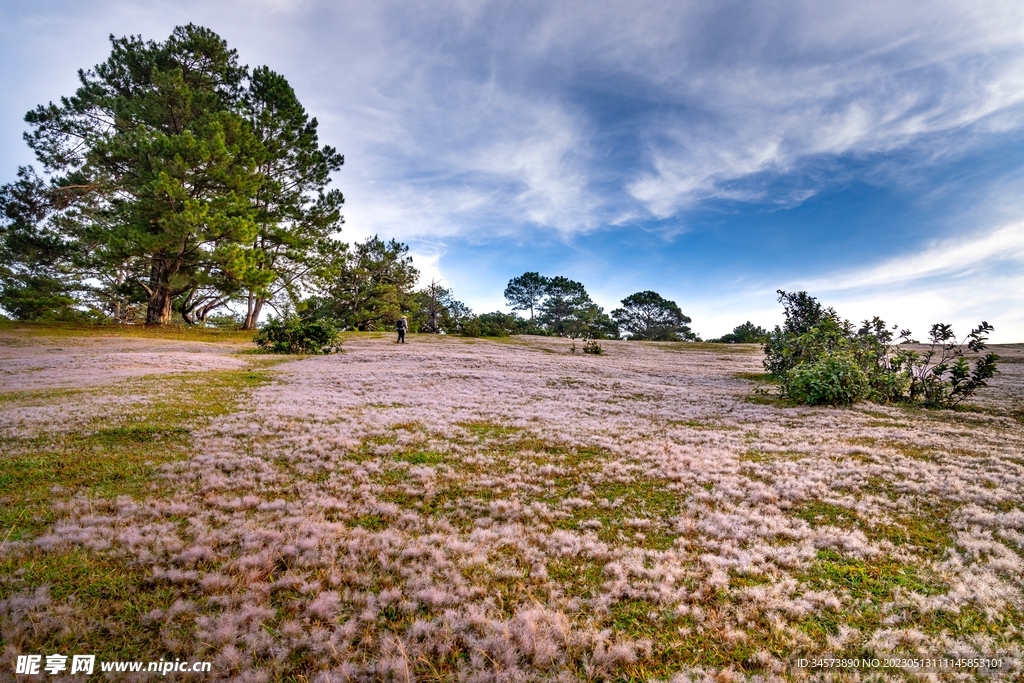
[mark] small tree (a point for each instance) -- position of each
(941, 376)
(747, 333)
(802, 312)
(461, 319)
(648, 315)
(591, 322)
(293, 335)
(526, 292)
(431, 315)
(365, 288)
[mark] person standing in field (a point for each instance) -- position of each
(403, 327)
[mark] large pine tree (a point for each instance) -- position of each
(155, 166)
(294, 211)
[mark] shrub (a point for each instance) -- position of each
(835, 378)
(803, 313)
(821, 359)
(495, 324)
(747, 333)
(295, 335)
(225, 321)
(888, 387)
(929, 380)
(591, 346)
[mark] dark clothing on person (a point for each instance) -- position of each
(403, 327)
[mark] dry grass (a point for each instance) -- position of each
(486, 511)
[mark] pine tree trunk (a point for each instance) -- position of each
(252, 315)
(158, 309)
(250, 319)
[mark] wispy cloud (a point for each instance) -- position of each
(567, 117)
(955, 257)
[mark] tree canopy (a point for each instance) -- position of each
(562, 307)
(172, 178)
(648, 315)
(523, 293)
(367, 287)
(151, 162)
(747, 333)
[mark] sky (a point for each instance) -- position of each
(870, 153)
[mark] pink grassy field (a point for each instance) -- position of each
(477, 510)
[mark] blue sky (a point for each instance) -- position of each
(869, 152)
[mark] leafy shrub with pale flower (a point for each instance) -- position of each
(820, 359)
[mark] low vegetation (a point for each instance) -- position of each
(294, 335)
(454, 509)
(819, 358)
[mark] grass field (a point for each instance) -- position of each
(477, 510)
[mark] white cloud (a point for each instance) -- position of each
(427, 259)
(947, 257)
(497, 101)
(961, 281)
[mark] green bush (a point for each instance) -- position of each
(820, 359)
(941, 377)
(747, 333)
(833, 379)
(591, 346)
(886, 386)
(294, 335)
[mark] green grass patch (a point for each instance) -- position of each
(578, 577)
(873, 581)
(390, 477)
(117, 453)
(39, 397)
(173, 332)
(696, 644)
(703, 425)
(765, 377)
(739, 581)
(489, 430)
(422, 457)
(865, 586)
(927, 531)
(644, 499)
(762, 456)
(817, 513)
(107, 598)
(369, 522)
